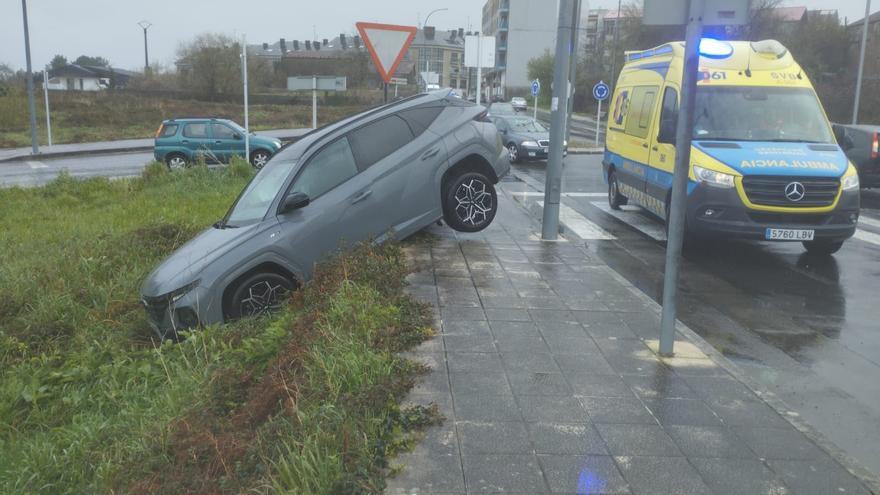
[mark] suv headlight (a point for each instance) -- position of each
(850, 182)
(530, 144)
(175, 296)
(713, 178)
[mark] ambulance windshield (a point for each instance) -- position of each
(748, 113)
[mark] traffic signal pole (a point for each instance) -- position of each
(680, 175)
(558, 117)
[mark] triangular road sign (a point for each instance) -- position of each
(387, 44)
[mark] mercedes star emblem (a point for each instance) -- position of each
(794, 191)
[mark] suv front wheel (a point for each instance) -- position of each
(470, 202)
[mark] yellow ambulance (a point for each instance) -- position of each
(764, 161)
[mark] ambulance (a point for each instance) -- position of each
(764, 161)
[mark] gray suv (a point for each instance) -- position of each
(388, 171)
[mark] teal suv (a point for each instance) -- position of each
(180, 142)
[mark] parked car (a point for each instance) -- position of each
(861, 143)
(519, 103)
(181, 142)
(394, 169)
(524, 137)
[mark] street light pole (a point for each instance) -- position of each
(855, 117)
(35, 147)
(427, 69)
(145, 25)
(614, 46)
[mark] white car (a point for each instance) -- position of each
(519, 103)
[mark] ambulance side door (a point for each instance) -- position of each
(662, 159)
(637, 131)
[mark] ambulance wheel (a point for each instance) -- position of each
(615, 198)
(822, 248)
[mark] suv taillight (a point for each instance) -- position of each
(875, 146)
(159, 130)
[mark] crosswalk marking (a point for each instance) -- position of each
(35, 164)
(633, 216)
(578, 224)
(567, 195)
(869, 221)
(864, 235)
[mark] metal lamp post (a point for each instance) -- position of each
(855, 116)
(425, 24)
(146, 25)
(35, 147)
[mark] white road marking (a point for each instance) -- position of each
(567, 195)
(864, 235)
(869, 221)
(35, 164)
(634, 217)
(576, 222)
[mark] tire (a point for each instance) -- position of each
(615, 198)
(259, 294)
(176, 161)
(259, 158)
(513, 153)
(822, 248)
(469, 202)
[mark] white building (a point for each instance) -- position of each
(523, 30)
(74, 77)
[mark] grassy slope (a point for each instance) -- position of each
(301, 403)
(85, 117)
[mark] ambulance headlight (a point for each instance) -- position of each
(850, 182)
(713, 178)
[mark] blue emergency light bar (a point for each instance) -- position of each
(711, 48)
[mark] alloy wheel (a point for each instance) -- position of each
(512, 153)
(262, 298)
(260, 159)
(473, 202)
(176, 162)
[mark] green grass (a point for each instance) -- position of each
(79, 117)
(302, 402)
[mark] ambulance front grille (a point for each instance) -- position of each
(770, 191)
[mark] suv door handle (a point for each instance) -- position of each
(361, 196)
(218, 142)
(431, 153)
(185, 141)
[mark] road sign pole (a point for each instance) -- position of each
(479, 68)
(536, 107)
(558, 111)
(46, 98)
(244, 76)
(855, 118)
(314, 102)
(598, 118)
(680, 175)
(35, 147)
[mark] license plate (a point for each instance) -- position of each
(789, 235)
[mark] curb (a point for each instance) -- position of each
(851, 465)
(99, 151)
(586, 151)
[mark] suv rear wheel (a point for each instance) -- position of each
(470, 202)
(259, 158)
(176, 161)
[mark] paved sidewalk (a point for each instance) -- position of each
(546, 371)
(122, 145)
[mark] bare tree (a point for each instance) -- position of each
(210, 66)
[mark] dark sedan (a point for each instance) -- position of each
(861, 143)
(525, 138)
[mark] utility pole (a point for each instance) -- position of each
(855, 118)
(146, 25)
(680, 175)
(35, 146)
(614, 46)
(575, 34)
(558, 111)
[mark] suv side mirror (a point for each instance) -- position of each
(236, 136)
(667, 132)
(294, 201)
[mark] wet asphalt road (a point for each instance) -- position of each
(807, 329)
(37, 172)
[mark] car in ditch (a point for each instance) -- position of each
(386, 172)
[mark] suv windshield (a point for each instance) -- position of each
(253, 203)
(526, 125)
(741, 113)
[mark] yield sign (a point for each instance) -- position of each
(387, 44)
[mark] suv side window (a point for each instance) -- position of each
(169, 130)
(379, 139)
(420, 118)
(668, 114)
(221, 131)
(330, 167)
(199, 131)
(642, 107)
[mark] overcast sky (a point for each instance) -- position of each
(108, 28)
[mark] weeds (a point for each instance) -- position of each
(302, 402)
